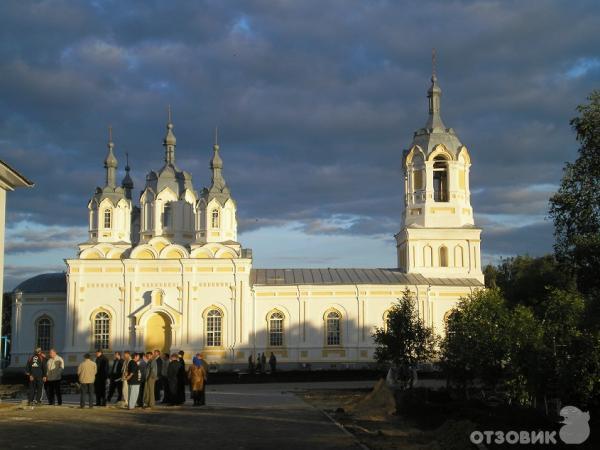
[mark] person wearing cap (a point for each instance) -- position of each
(197, 375)
(101, 377)
(35, 370)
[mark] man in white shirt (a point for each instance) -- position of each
(54, 369)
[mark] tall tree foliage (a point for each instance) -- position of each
(476, 342)
(525, 355)
(568, 362)
(575, 208)
(405, 341)
(525, 280)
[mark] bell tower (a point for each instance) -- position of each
(438, 236)
(110, 207)
(217, 221)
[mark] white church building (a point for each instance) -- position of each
(171, 274)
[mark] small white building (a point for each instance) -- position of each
(171, 274)
(10, 179)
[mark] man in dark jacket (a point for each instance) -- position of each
(158, 383)
(173, 379)
(36, 373)
(164, 379)
(101, 377)
(116, 373)
(181, 379)
(142, 364)
(273, 363)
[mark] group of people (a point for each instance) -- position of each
(137, 379)
(261, 363)
(42, 371)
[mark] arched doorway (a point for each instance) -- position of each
(158, 333)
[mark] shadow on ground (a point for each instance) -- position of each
(177, 427)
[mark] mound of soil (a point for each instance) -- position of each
(377, 404)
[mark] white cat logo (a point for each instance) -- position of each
(575, 429)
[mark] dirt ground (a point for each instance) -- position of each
(377, 430)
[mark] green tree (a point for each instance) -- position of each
(525, 342)
(405, 340)
(525, 280)
(476, 342)
(528, 355)
(570, 358)
(490, 273)
(575, 208)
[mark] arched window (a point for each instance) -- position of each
(102, 331)
(458, 256)
(333, 329)
(215, 218)
(44, 333)
(276, 329)
(107, 218)
(147, 217)
(418, 172)
(386, 320)
(427, 256)
(447, 316)
(443, 256)
(440, 179)
(214, 322)
(167, 216)
(446, 319)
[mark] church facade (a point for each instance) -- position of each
(170, 273)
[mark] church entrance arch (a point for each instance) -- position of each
(157, 335)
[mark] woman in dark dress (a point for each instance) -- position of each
(172, 380)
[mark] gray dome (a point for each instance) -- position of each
(111, 160)
(169, 175)
(218, 188)
(46, 282)
(435, 132)
(428, 139)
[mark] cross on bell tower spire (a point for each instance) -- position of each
(218, 186)
(110, 162)
(434, 94)
(169, 142)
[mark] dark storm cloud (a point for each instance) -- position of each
(530, 200)
(29, 240)
(533, 239)
(315, 101)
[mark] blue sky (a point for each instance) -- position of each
(315, 102)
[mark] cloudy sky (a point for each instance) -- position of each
(315, 101)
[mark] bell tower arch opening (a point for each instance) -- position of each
(440, 179)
